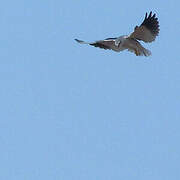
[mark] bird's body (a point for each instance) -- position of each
(146, 32)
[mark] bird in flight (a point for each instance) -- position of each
(146, 32)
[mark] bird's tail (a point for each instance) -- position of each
(146, 52)
(141, 51)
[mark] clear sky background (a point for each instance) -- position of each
(74, 112)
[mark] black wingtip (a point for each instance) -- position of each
(150, 14)
(76, 40)
(146, 15)
(79, 41)
(151, 22)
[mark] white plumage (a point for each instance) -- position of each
(146, 32)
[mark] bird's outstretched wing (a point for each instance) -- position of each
(108, 43)
(148, 30)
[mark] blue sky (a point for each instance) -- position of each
(77, 112)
